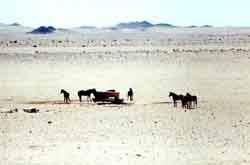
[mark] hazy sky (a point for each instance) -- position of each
(71, 13)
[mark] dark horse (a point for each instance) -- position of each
(175, 97)
(85, 93)
(98, 95)
(185, 102)
(192, 101)
(66, 96)
(189, 101)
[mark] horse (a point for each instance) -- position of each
(85, 93)
(66, 96)
(98, 95)
(192, 100)
(185, 102)
(175, 97)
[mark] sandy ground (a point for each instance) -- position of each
(210, 63)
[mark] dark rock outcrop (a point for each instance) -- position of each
(43, 30)
(134, 25)
(31, 110)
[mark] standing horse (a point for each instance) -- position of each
(85, 93)
(66, 96)
(192, 100)
(185, 102)
(175, 97)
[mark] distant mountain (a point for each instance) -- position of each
(165, 25)
(134, 25)
(141, 25)
(192, 26)
(51, 28)
(43, 30)
(207, 26)
(203, 26)
(63, 29)
(15, 24)
(87, 27)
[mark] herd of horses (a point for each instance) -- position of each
(109, 96)
(86, 93)
(187, 101)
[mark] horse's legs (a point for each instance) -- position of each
(80, 98)
(89, 98)
(68, 100)
(182, 103)
(189, 104)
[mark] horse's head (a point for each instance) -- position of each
(188, 94)
(62, 91)
(170, 94)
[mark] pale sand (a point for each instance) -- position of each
(210, 63)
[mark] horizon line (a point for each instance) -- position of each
(115, 24)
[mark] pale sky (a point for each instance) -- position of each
(74, 13)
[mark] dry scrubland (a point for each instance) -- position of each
(212, 63)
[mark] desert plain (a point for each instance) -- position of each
(211, 63)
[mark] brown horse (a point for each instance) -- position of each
(192, 100)
(189, 101)
(175, 97)
(85, 93)
(185, 102)
(66, 96)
